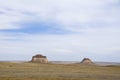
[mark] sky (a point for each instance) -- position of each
(62, 30)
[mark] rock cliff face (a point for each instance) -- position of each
(87, 61)
(39, 59)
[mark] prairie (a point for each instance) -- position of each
(37, 71)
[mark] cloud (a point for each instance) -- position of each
(84, 28)
(79, 46)
(66, 13)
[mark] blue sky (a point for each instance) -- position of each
(60, 29)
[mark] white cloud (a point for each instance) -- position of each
(78, 45)
(64, 12)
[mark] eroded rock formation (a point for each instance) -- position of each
(87, 61)
(39, 58)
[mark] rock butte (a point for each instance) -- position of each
(39, 58)
(87, 61)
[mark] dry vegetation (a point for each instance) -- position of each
(35, 71)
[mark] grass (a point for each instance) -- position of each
(36, 71)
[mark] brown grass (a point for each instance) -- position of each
(36, 71)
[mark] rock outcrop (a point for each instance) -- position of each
(39, 58)
(87, 61)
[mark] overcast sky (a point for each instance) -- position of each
(66, 30)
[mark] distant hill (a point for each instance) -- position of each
(108, 63)
(72, 62)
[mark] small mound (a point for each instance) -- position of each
(87, 61)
